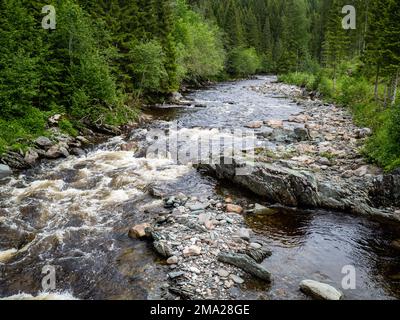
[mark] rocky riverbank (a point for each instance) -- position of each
(315, 161)
(206, 246)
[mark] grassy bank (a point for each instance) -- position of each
(355, 91)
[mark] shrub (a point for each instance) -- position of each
(244, 61)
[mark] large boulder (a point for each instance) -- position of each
(320, 290)
(297, 188)
(275, 183)
(5, 171)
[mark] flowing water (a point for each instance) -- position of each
(74, 214)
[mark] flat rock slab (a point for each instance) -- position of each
(247, 264)
(319, 290)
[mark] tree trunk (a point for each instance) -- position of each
(393, 90)
(377, 82)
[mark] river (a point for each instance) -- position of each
(74, 214)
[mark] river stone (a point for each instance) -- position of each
(396, 244)
(172, 260)
(234, 208)
(320, 290)
(262, 210)
(244, 234)
(236, 279)
(43, 142)
(302, 134)
(163, 248)
(245, 263)
(191, 251)
(254, 125)
(223, 273)
(5, 171)
(139, 231)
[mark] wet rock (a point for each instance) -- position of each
(57, 151)
(15, 160)
(78, 152)
(43, 142)
(162, 248)
(191, 251)
(139, 231)
(31, 156)
(5, 171)
(320, 290)
(245, 263)
(234, 208)
(276, 183)
(258, 254)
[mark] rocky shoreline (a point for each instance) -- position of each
(315, 161)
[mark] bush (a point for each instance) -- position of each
(147, 65)
(202, 55)
(244, 61)
(353, 91)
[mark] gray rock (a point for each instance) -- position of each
(262, 210)
(244, 234)
(320, 290)
(5, 171)
(236, 279)
(44, 142)
(247, 264)
(223, 273)
(31, 156)
(302, 134)
(258, 255)
(176, 274)
(163, 248)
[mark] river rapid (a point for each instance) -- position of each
(75, 213)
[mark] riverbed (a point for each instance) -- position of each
(75, 213)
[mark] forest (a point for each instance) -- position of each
(106, 58)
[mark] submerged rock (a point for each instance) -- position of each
(320, 290)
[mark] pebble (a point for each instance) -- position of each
(236, 279)
(172, 260)
(255, 245)
(234, 208)
(223, 273)
(191, 251)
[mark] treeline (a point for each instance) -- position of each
(101, 61)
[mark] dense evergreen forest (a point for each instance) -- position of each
(107, 57)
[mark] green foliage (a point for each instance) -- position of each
(202, 55)
(147, 65)
(244, 61)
